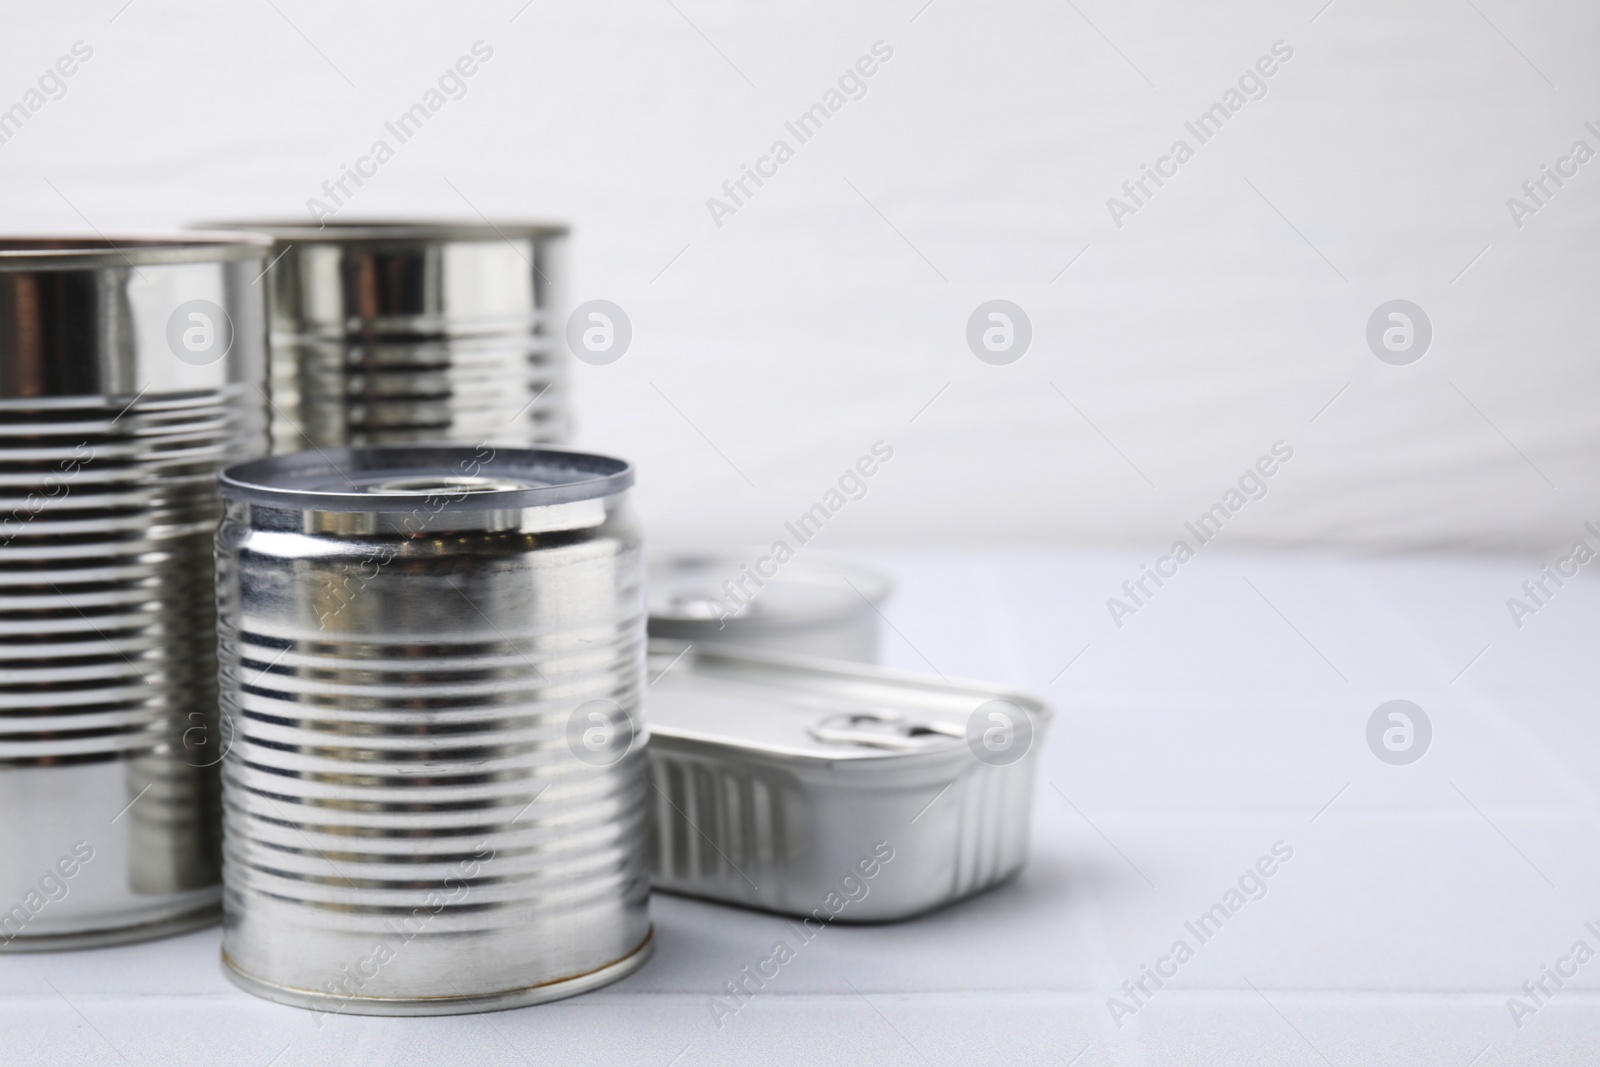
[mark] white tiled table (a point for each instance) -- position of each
(1223, 717)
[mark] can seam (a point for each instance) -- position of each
(373, 232)
(158, 250)
(517, 997)
(195, 919)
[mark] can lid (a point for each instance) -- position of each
(444, 478)
(80, 252)
(396, 231)
(798, 712)
(700, 595)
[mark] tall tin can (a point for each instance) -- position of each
(397, 332)
(433, 659)
(131, 372)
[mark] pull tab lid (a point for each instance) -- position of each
(881, 730)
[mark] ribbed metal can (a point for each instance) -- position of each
(398, 332)
(432, 657)
(131, 372)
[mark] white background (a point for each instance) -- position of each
(770, 353)
(1223, 316)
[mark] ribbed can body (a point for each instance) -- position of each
(396, 333)
(412, 822)
(110, 443)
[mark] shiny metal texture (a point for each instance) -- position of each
(814, 606)
(432, 657)
(395, 332)
(131, 371)
(832, 790)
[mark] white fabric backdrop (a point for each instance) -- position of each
(825, 313)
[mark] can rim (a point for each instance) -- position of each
(74, 251)
(363, 479)
(540, 993)
(390, 231)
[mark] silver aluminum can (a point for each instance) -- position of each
(432, 657)
(831, 790)
(814, 606)
(396, 332)
(131, 371)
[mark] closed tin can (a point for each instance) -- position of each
(436, 794)
(815, 606)
(831, 790)
(394, 332)
(131, 372)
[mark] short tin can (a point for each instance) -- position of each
(832, 790)
(392, 332)
(814, 606)
(435, 798)
(132, 370)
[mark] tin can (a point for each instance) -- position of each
(834, 791)
(131, 371)
(435, 800)
(395, 332)
(816, 606)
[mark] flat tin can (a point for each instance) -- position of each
(818, 606)
(830, 789)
